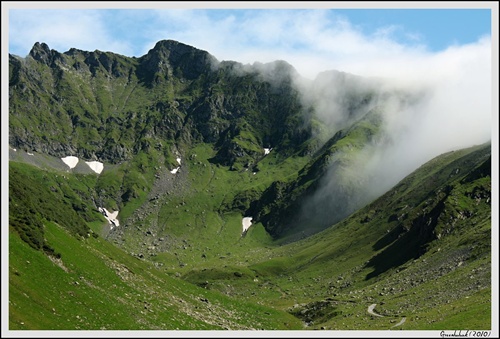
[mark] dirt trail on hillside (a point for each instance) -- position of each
(372, 312)
(401, 322)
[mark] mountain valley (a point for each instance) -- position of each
(178, 192)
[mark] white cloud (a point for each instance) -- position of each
(455, 112)
(62, 30)
(311, 40)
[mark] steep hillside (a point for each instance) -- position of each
(313, 200)
(86, 283)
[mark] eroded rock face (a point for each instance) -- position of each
(108, 107)
(41, 52)
(169, 57)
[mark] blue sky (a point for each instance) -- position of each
(436, 28)
(253, 34)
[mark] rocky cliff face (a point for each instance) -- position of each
(107, 107)
(173, 59)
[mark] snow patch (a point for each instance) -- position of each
(30, 153)
(110, 216)
(246, 222)
(178, 160)
(267, 151)
(95, 166)
(175, 170)
(71, 161)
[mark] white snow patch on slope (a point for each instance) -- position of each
(175, 170)
(179, 160)
(96, 166)
(267, 151)
(110, 216)
(71, 161)
(246, 222)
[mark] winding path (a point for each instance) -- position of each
(370, 310)
(401, 322)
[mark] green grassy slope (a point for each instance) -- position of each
(92, 284)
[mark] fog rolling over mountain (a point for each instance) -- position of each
(421, 116)
(221, 195)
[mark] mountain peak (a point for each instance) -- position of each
(41, 52)
(173, 46)
(170, 55)
(169, 43)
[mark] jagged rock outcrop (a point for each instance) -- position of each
(109, 107)
(171, 58)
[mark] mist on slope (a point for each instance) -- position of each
(430, 104)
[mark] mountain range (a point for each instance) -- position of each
(174, 191)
